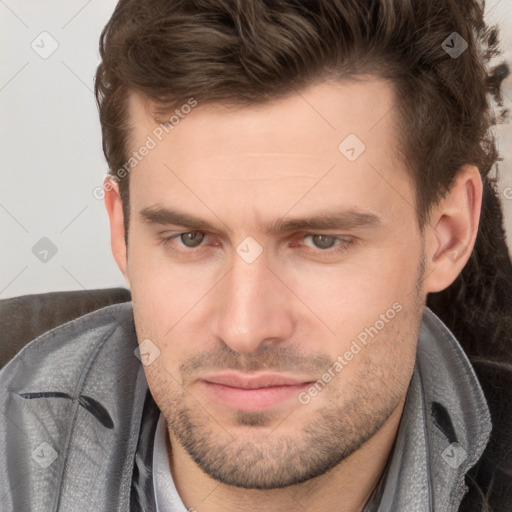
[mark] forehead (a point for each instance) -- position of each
(352, 104)
(331, 138)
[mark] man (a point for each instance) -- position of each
(289, 182)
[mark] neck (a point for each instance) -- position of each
(345, 488)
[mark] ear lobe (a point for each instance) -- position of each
(114, 207)
(453, 228)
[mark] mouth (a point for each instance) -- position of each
(253, 393)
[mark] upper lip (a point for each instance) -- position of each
(237, 380)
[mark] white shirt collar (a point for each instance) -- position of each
(167, 498)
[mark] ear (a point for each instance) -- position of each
(114, 207)
(451, 232)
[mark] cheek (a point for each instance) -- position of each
(379, 358)
(354, 295)
(166, 301)
(163, 382)
(162, 291)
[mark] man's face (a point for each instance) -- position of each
(236, 300)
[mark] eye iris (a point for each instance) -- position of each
(194, 236)
(323, 241)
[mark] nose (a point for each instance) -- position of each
(254, 306)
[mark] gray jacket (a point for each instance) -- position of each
(78, 423)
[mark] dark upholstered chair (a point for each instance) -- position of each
(24, 318)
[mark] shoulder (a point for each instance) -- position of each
(72, 399)
(72, 344)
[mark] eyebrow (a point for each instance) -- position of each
(323, 220)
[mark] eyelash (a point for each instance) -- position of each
(344, 243)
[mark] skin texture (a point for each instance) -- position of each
(299, 305)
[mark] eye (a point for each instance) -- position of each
(189, 239)
(324, 243)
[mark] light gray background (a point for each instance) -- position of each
(50, 146)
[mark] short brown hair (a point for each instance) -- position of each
(252, 51)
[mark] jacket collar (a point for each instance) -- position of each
(444, 429)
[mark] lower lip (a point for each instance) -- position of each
(253, 400)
